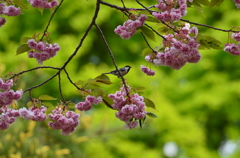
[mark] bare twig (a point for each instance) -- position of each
(44, 32)
(72, 81)
(41, 67)
(147, 42)
(194, 23)
(60, 87)
(113, 60)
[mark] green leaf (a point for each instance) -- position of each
(25, 39)
(80, 82)
(149, 33)
(30, 104)
(203, 2)
(20, 3)
(108, 102)
(47, 97)
(91, 81)
(140, 123)
(139, 88)
(145, 12)
(47, 104)
(149, 103)
(41, 10)
(208, 42)
(49, 110)
(104, 79)
(146, 51)
(98, 91)
(22, 48)
(152, 115)
(93, 86)
(197, 6)
(215, 3)
(152, 19)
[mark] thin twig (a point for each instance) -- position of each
(113, 60)
(194, 23)
(41, 67)
(147, 42)
(44, 32)
(155, 31)
(42, 82)
(72, 81)
(60, 87)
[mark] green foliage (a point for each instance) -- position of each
(197, 106)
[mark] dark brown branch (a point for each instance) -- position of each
(76, 50)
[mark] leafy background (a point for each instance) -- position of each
(197, 106)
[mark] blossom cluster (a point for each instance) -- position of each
(129, 27)
(170, 10)
(7, 95)
(9, 10)
(180, 48)
(147, 71)
(33, 113)
(231, 47)
(130, 109)
(43, 3)
(67, 123)
(7, 117)
(42, 51)
(87, 104)
(237, 3)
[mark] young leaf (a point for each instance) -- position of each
(139, 88)
(47, 104)
(215, 3)
(107, 101)
(152, 19)
(149, 103)
(152, 115)
(25, 39)
(80, 82)
(22, 48)
(146, 51)
(104, 79)
(203, 2)
(98, 91)
(30, 104)
(47, 97)
(20, 3)
(140, 123)
(149, 33)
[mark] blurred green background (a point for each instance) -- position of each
(197, 106)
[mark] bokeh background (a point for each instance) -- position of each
(197, 107)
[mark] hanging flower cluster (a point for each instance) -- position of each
(129, 27)
(67, 122)
(130, 108)
(42, 51)
(9, 10)
(232, 48)
(170, 10)
(87, 104)
(43, 3)
(180, 48)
